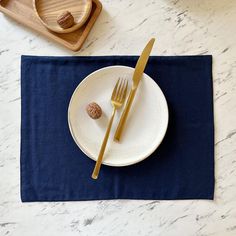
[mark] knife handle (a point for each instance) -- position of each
(124, 116)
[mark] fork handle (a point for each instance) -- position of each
(124, 116)
(103, 147)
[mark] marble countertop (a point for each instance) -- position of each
(181, 27)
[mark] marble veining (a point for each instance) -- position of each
(181, 27)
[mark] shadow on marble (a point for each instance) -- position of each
(102, 30)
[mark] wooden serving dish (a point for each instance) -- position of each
(49, 10)
(23, 12)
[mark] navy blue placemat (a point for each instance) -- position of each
(54, 169)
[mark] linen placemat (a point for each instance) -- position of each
(54, 169)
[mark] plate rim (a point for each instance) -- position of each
(104, 162)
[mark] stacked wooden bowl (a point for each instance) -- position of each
(62, 16)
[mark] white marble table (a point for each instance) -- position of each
(182, 27)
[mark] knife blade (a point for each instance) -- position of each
(138, 72)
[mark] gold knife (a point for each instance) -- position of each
(138, 72)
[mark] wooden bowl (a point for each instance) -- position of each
(49, 10)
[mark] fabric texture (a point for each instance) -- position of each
(54, 169)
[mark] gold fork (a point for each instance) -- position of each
(117, 100)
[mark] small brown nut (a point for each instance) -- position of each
(65, 20)
(94, 110)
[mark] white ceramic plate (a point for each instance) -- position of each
(145, 128)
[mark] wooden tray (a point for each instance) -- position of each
(23, 12)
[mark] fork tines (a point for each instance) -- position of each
(120, 90)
